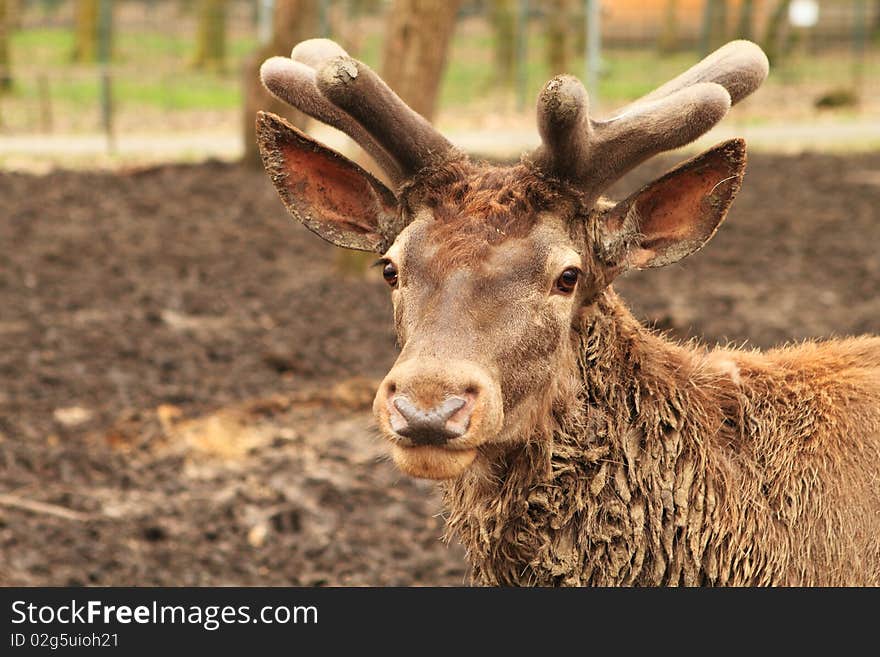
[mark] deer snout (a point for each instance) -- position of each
(428, 403)
(431, 426)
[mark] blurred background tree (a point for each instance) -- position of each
(85, 43)
(5, 36)
(558, 35)
(502, 16)
(292, 22)
(746, 19)
(211, 36)
(875, 27)
(417, 37)
(775, 36)
(669, 34)
(714, 25)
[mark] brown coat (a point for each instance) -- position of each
(578, 446)
(675, 465)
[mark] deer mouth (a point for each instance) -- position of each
(432, 461)
(436, 414)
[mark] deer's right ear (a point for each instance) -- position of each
(676, 214)
(331, 195)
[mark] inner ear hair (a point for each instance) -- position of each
(616, 232)
(673, 216)
(328, 193)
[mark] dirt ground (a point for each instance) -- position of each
(186, 375)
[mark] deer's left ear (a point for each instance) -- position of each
(675, 215)
(331, 195)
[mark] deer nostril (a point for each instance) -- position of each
(449, 407)
(429, 426)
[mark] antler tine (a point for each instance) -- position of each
(646, 129)
(565, 128)
(321, 80)
(739, 66)
(593, 154)
(405, 134)
(293, 80)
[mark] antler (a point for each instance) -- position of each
(593, 154)
(320, 79)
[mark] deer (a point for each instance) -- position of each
(576, 446)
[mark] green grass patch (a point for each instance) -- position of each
(44, 47)
(152, 69)
(148, 68)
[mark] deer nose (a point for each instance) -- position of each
(432, 426)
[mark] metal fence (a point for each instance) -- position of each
(150, 85)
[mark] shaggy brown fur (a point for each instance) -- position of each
(476, 206)
(673, 465)
(651, 462)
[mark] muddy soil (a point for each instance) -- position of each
(185, 375)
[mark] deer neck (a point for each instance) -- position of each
(573, 505)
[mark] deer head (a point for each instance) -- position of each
(492, 269)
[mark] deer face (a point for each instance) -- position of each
(484, 321)
(491, 268)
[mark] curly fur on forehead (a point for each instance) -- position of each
(477, 205)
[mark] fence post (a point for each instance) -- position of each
(594, 48)
(45, 102)
(265, 17)
(706, 31)
(324, 19)
(859, 42)
(105, 34)
(522, 54)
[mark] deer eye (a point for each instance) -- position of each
(389, 273)
(567, 280)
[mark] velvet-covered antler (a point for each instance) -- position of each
(321, 80)
(592, 154)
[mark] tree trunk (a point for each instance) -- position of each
(417, 39)
(85, 45)
(719, 24)
(211, 38)
(557, 36)
(875, 25)
(503, 18)
(714, 32)
(293, 21)
(746, 19)
(13, 13)
(669, 35)
(775, 36)
(5, 35)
